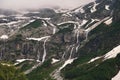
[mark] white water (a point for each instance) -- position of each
(70, 57)
(94, 7)
(44, 55)
(54, 27)
(94, 26)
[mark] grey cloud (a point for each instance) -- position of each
(23, 4)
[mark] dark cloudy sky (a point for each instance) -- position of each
(23, 4)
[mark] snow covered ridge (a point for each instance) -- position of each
(4, 37)
(117, 77)
(111, 54)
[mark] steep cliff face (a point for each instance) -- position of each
(67, 45)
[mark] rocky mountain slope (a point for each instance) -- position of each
(78, 44)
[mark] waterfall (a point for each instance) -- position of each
(87, 31)
(4, 38)
(45, 38)
(44, 55)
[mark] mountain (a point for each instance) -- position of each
(78, 44)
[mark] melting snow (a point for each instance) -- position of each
(83, 22)
(69, 61)
(107, 7)
(44, 23)
(22, 60)
(94, 8)
(38, 39)
(54, 61)
(6, 64)
(4, 37)
(79, 10)
(94, 59)
(117, 77)
(68, 22)
(28, 22)
(109, 21)
(113, 53)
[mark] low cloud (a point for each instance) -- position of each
(33, 4)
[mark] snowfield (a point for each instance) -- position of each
(117, 77)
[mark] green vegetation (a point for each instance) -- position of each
(37, 23)
(102, 39)
(10, 73)
(67, 27)
(26, 65)
(42, 72)
(97, 70)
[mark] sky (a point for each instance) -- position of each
(26, 4)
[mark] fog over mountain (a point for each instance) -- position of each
(33, 4)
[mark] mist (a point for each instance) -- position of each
(35, 4)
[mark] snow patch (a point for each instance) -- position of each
(4, 37)
(117, 77)
(107, 7)
(44, 23)
(94, 59)
(5, 64)
(69, 61)
(83, 22)
(22, 60)
(38, 39)
(113, 53)
(54, 60)
(93, 9)
(68, 22)
(109, 21)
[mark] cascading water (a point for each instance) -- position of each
(44, 55)
(4, 38)
(45, 38)
(38, 55)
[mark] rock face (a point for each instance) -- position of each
(64, 36)
(116, 10)
(65, 30)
